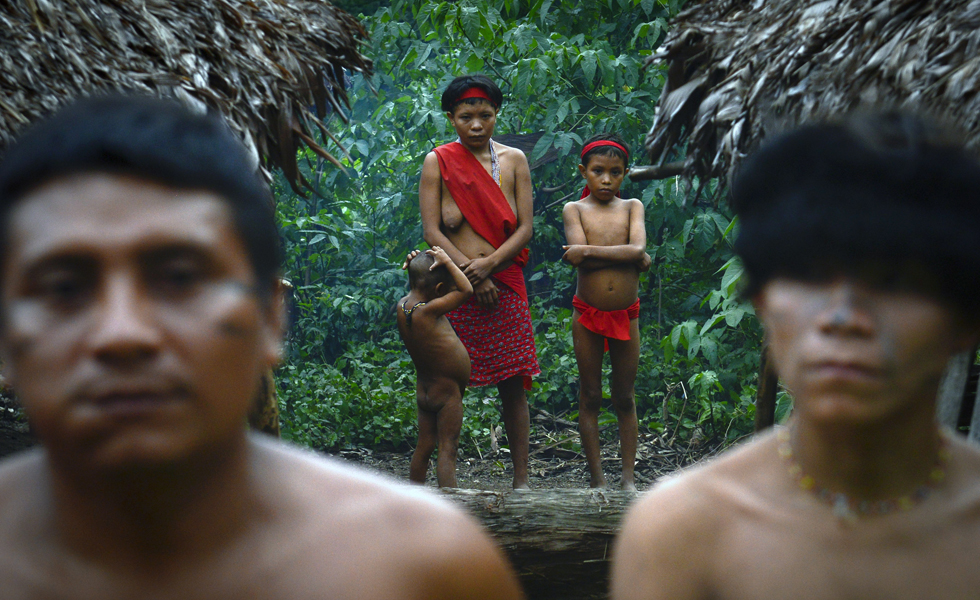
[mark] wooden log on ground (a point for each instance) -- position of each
(559, 540)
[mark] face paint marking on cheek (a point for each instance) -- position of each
(236, 298)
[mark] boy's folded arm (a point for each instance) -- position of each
(622, 253)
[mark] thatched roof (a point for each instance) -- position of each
(739, 70)
(274, 68)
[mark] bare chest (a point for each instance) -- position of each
(814, 563)
(606, 226)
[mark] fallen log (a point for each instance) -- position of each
(559, 540)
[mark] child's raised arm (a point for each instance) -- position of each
(580, 254)
(454, 299)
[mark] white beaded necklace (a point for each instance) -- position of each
(494, 162)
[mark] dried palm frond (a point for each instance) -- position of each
(273, 68)
(739, 70)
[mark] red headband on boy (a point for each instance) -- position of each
(598, 144)
(475, 92)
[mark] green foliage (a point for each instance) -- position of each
(568, 69)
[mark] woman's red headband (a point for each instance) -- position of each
(599, 143)
(475, 92)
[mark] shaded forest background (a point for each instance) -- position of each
(568, 69)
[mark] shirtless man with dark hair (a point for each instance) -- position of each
(140, 307)
(860, 243)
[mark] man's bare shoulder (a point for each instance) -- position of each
(390, 530)
(324, 480)
(20, 475)
(963, 473)
(671, 537)
(710, 491)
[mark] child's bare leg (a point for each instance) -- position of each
(449, 420)
(588, 354)
(517, 422)
(625, 357)
(427, 440)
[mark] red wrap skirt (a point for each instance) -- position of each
(500, 341)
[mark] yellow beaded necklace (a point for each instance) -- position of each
(849, 509)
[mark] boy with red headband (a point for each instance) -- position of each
(476, 203)
(607, 243)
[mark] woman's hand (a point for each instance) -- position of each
(409, 258)
(478, 269)
(486, 293)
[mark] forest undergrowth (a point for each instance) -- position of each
(568, 69)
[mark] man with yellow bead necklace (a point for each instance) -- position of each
(861, 242)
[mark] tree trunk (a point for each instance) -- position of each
(559, 540)
(765, 398)
(952, 388)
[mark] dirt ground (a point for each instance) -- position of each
(555, 459)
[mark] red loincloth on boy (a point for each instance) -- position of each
(613, 324)
(500, 341)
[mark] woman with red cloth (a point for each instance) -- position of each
(476, 203)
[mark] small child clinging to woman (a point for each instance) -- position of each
(442, 364)
(606, 238)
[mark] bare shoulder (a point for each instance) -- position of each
(509, 154)
(404, 533)
(22, 485)
(572, 208)
(673, 535)
(349, 490)
(963, 471)
(18, 475)
(431, 160)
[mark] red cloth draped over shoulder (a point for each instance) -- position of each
(483, 205)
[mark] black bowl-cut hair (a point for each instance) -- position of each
(457, 87)
(606, 150)
(156, 140)
(890, 189)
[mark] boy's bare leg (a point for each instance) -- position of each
(625, 358)
(589, 348)
(517, 422)
(427, 441)
(449, 420)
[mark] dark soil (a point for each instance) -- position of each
(555, 460)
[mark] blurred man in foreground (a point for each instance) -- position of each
(860, 241)
(140, 307)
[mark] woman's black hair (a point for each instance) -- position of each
(457, 87)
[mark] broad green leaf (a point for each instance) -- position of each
(546, 141)
(470, 19)
(589, 65)
(474, 63)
